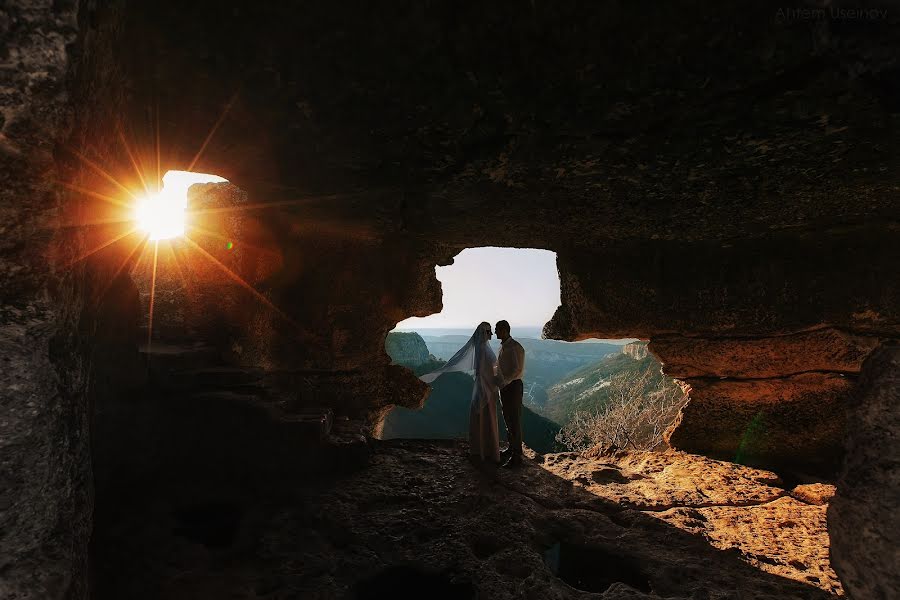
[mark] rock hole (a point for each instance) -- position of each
(412, 582)
(608, 475)
(213, 524)
(592, 569)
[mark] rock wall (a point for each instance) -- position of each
(636, 350)
(45, 501)
(863, 518)
(668, 219)
(771, 338)
(781, 401)
(62, 93)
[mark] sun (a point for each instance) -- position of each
(162, 216)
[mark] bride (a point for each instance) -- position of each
(476, 355)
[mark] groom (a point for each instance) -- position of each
(510, 367)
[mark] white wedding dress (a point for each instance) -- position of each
(477, 357)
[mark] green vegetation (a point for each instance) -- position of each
(446, 415)
(639, 407)
(587, 388)
(547, 361)
(613, 399)
(446, 412)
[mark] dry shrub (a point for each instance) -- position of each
(639, 409)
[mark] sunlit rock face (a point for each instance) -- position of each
(797, 421)
(636, 350)
(773, 400)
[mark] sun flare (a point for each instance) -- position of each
(162, 216)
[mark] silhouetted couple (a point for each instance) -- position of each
(496, 378)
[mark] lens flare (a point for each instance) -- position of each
(162, 215)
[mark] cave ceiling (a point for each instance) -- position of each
(571, 125)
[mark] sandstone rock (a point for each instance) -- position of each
(746, 358)
(796, 421)
(660, 481)
(636, 350)
(783, 537)
(45, 477)
(814, 493)
(863, 519)
(784, 286)
(420, 516)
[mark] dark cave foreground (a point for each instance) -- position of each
(419, 521)
(720, 182)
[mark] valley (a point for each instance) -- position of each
(560, 379)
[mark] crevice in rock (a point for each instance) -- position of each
(664, 508)
(786, 376)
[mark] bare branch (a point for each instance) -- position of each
(639, 409)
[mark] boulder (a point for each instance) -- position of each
(796, 421)
(863, 519)
(814, 493)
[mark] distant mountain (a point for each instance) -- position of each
(446, 415)
(586, 388)
(561, 378)
(546, 361)
(407, 349)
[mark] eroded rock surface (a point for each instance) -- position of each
(823, 350)
(863, 518)
(45, 496)
(635, 526)
(791, 422)
(778, 401)
(735, 508)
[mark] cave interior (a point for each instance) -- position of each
(720, 182)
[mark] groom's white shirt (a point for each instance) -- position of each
(510, 361)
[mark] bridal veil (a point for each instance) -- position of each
(465, 359)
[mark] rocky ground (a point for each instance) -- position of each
(420, 521)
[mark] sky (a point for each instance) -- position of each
(489, 284)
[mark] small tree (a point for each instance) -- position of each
(639, 409)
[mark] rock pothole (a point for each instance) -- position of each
(593, 569)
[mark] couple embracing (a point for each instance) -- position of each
(496, 378)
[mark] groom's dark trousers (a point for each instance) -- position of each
(511, 400)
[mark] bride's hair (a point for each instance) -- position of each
(481, 327)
